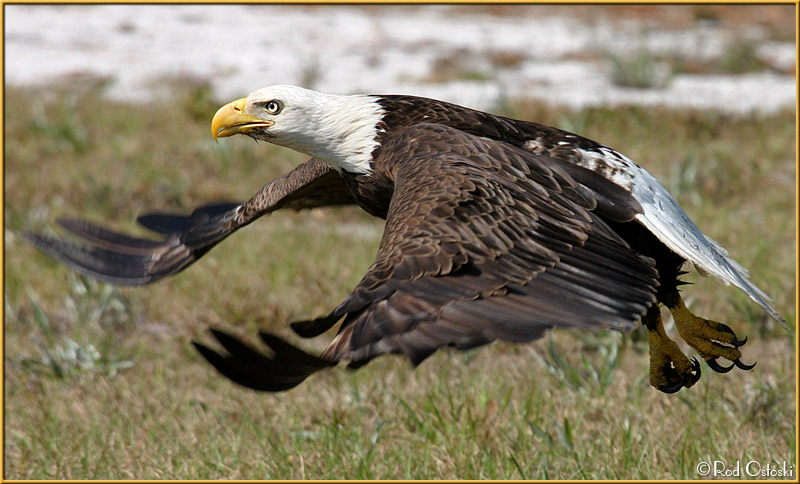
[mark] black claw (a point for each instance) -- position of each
(743, 366)
(725, 328)
(672, 375)
(737, 343)
(686, 379)
(671, 389)
(695, 371)
(717, 367)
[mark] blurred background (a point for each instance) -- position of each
(106, 117)
(728, 57)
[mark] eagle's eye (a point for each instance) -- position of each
(273, 107)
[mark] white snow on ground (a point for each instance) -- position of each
(239, 48)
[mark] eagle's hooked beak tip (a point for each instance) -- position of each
(231, 119)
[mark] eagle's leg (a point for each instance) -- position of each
(670, 369)
(709, 338)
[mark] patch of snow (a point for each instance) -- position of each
(779, 55)
(348, 49)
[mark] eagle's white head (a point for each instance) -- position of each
(339, 130)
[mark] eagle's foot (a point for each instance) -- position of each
(670, 369)
(709, 338)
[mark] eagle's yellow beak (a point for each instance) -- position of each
(231, 120)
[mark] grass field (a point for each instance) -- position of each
(102, 383)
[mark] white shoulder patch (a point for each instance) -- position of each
(666, 220)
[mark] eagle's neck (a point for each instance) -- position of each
(344, 133)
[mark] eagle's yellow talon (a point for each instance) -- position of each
(710, 339)
(670, 369)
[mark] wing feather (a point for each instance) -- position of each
(122, 259)
(532, 258)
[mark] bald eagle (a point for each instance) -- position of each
(496, 229)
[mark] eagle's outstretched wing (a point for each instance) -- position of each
(483, 241)
(122, 259)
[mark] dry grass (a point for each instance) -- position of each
(568, 406)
